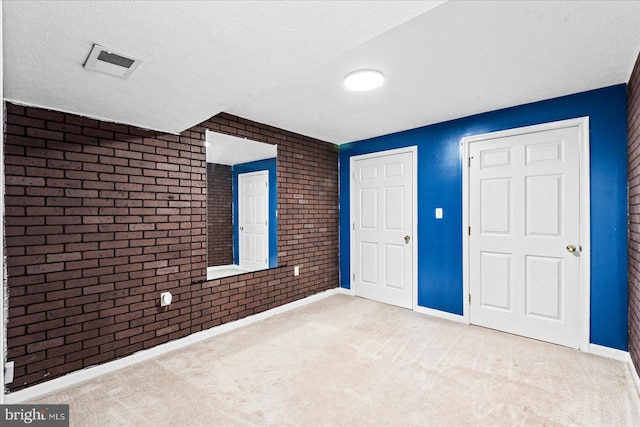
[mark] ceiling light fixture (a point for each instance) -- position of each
(362, 80)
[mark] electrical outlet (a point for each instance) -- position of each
(165, 299)
(8, 373)
(296, 270)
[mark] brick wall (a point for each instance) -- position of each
(219, 215)
(633, 117)
(102, 217)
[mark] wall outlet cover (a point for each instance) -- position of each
(165, 299)
(8, 372)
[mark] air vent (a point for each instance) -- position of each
(102, 60)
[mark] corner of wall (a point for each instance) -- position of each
(633, 181)
(3, 293)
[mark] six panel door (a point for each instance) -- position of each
(524, 248)
(383, 228)
(253, 227)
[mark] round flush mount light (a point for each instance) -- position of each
(363, 80)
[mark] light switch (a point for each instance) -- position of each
(438, 213)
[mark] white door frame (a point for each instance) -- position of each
(582, 124)
(414, 273)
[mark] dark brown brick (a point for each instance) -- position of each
(101, 217)
(633, 151)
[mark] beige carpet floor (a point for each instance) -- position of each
(346, 361)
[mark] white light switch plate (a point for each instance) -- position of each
(438, 213)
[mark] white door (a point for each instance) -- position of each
(253, 213)
(524, 243)
(382, 227)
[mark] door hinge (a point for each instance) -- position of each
(469, 231)
(353, 226)
(468, 161)
(469, 298)
(354, 276)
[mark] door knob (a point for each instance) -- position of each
(406, 239)
(571, 248)
(241, 228)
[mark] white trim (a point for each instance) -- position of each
(621, 355)
(413, 150)
(95, 371)
(634, 374)
(464, 151)
(585, 231)
(440, 314)
(610, 353)
(582, 124)
(416, 237)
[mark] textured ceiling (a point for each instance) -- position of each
(282, 63)
(459, 59)
(198, 57)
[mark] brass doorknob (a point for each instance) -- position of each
(571, 248)
(406, 239)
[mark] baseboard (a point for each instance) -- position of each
(440, 314)
(609, 352)
(620, 355)
(348, 291)
(634, 374)
(95, 371)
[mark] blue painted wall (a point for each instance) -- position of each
(440, 185)
(260, 165)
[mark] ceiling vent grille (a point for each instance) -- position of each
(104, 61)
